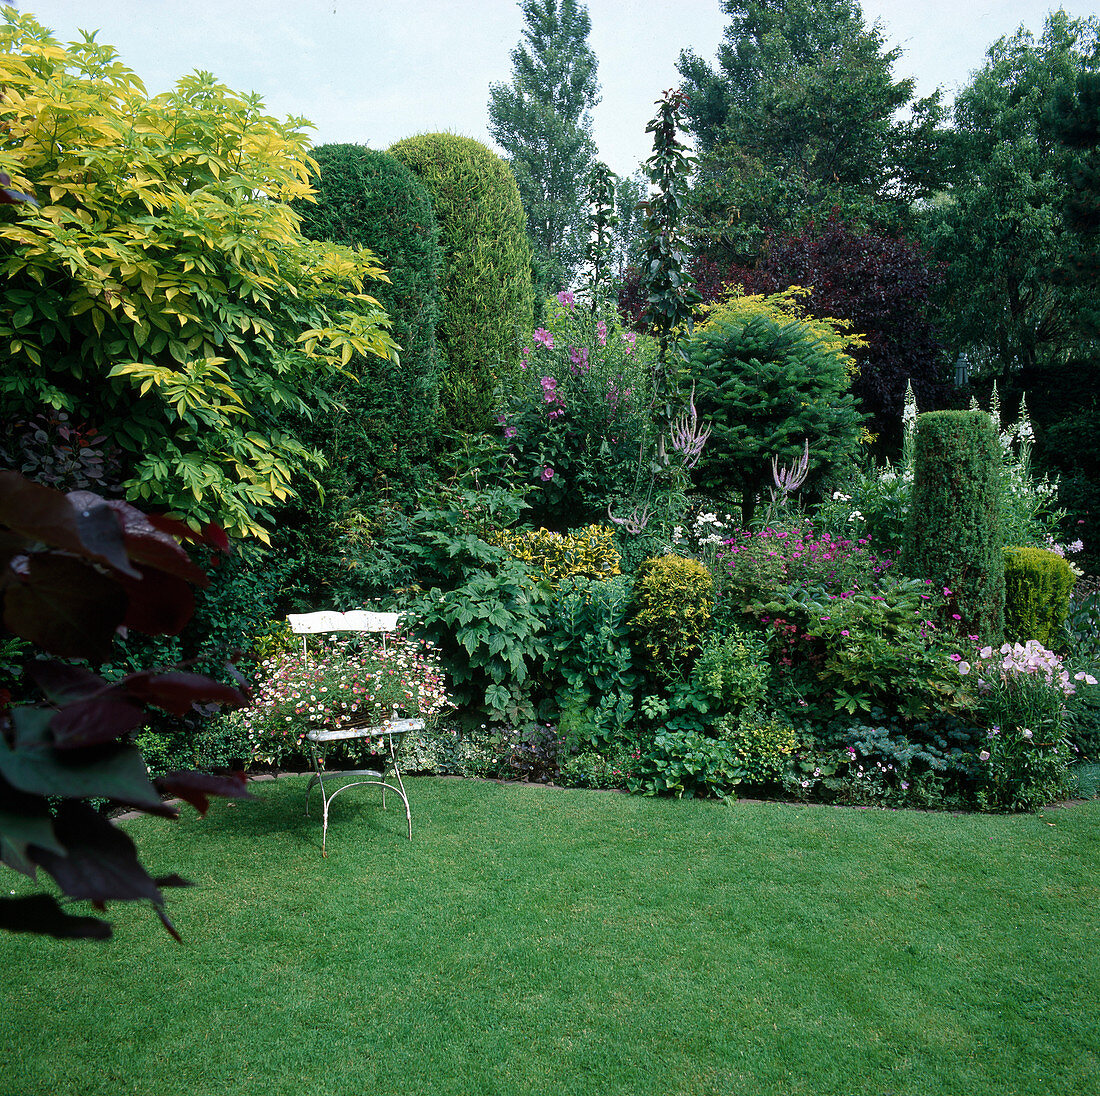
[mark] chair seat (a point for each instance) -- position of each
(344, 774)
(395, 727)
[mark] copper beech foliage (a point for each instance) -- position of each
(74, 569)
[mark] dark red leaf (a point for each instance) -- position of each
(158, 603)
(38, 513)
(150, 547)
(62, 683)
(66, 607)
(175, 691)
(100, 531)
(196, 788)
(96, 720)
(178, 529)
(214, 535)
(111, 771)
(168, 924)
(100, 862)
(42, 914)
(172, 880)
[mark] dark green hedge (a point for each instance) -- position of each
(953, 531)
(487, 296)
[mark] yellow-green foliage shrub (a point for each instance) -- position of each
(160, 289)
(761, 743)
(1037, 589)
(588, 552)
(786, 307)
(672, 596)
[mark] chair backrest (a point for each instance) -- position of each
(357, 620)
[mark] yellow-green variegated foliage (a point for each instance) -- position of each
(160, 290)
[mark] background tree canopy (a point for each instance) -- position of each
(799, 118)
(543, 121)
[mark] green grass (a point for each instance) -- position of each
(531, 940)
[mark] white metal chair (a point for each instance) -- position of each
(390, 733)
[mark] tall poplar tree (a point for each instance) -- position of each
(542, 120)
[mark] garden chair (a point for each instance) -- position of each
(390, 733)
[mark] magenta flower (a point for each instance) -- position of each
(601, 333)
(547, 474)
(509, 431)
(565, 298)
(543, 336)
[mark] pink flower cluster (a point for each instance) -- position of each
(1014, 659)
(347, 680)
(801, 549)
(552, 397)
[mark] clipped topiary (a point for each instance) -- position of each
(953, 529)
(486, 288)
(1037, 588)
(672, 598)
(369, 199)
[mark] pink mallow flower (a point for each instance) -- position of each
(543, 336)
(547, 474)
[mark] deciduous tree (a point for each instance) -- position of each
(160, 289)
(1000, 229)
(798, 117)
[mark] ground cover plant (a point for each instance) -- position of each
(535, 940)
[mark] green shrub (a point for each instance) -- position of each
(672, 596)
(559, 557)
(953, 531)
(761, 743)
(440, 750)
(687, 762)
(486, 289)
(877, 648)
(480, 605)
(767, 383)
(732, 668)
(369, 199)
(1038, 584)
(611, 767)
(590, 640)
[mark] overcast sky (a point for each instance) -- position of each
(375, 71)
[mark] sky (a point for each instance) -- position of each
(375, 71)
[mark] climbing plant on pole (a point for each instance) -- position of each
(669, 290)
(601, 225)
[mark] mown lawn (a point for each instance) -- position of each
(532, 940)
